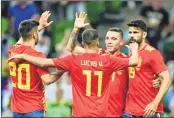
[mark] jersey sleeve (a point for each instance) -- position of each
(42, 71)
(63, 62)
(157, 62)
(117, 63)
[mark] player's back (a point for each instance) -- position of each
(90, 74)
(28, 89)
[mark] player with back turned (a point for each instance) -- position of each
(27, 79)
(119, 79)
(90, 73)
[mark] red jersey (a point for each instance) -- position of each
(28, 89)
(118, 90)
(90, 75)
(141, 91)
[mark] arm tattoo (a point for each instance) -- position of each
(73, 39)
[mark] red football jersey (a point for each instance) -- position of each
(118, 90)
(141, 91)
(90, 75)
(28, 89)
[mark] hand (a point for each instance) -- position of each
(100, 51)
(16, 56)
(80, 20)
(132, 46)
(157, 82)
(150, 109)
(103, 52)
(43, 22)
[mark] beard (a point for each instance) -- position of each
(132, 40)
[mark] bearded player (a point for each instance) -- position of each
(143, 100)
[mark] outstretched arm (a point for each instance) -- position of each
(53, 77)
(79, 23)
(38, 61)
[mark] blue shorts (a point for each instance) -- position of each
(38, 114)
(125, 115)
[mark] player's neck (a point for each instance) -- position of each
(92, 50)
(115, 52)
(29, 43)
(142, 45)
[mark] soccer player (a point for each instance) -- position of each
(90, 73)
(119, 79)
(142, 99)
(27, 79)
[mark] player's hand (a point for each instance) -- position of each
(100, 51)
(16, 56)
(132, 46)
(80, 20)
(157, 81)
(150, 109)
(43, 22)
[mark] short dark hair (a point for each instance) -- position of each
(90, 35)
(116, 29)
(26, 27)
(138, 23)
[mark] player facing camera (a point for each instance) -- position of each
(137, 31)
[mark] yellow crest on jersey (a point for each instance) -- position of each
(149, 48)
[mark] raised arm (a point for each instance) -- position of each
(71, 45)
(79, 23)
(43, 23)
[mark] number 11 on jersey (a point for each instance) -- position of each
(88, 82)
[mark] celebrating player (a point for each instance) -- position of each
(142, 98)
(119, 79)
(27, 79)
(90, 73)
